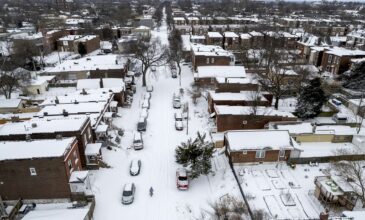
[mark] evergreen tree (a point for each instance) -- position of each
(81, 49)
(311, 100)
(355, 77)
(196, 156)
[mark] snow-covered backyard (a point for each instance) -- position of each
(158, 158)
(281, 191)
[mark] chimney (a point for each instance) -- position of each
(101, 83)
(28, 138)
(65, 113)
(57, 101)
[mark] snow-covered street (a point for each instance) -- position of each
(158, 157)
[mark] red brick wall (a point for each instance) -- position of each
(234, 122)
(202, 61)
(250, 157)
(50, 182)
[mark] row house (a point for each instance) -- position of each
(242, 98)
(256, 146)
(185, 29)
(71, 43)
(39, 128)
(209, 55)
(356, 39)
(337, 60)
(247, 117)
(51, 37)
(197, 39)
(179, 21)
(214, 38)
(193, 20)
(231, 40)
(38, 169)
(200, 29)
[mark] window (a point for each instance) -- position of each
(282, 153)
(212, 60)
(75, 155)
(207, 60)
(260, 154)
(32, 171)
(244, 152)
(85, 139)
(330, 59)
(69, 163)
(89, 132)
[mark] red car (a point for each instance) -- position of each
(182, 181)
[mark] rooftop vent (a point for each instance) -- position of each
(34, 125)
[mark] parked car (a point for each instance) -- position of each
(129, 190)
(135, 167)
(153, 68)
(182, 181)
(142, 124)
(149, 88)
(138, 141)
(176, 102)
(336, 102)
(144, 113)
(178, 116)
(146, 104)
(179, 125)
(147, 95)
(173, 74)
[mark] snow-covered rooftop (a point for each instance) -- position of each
(70, 38)
(10, 103)
(92, 149)
(245, 36)
(214, 35)
(40, 80)
(339, 51)
(230, 34)
(95, 83)
(238, 96)
(57, 214)
(220, 71)
(102, 62)
(78, 97)
(80, 108)
(299, 128)
(13, 150)
(335, 129)
(42, 126)
(258, 139)
(323, 149)
(248, 110)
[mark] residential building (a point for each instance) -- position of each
(255, 146)
(210, 55)
(214, 38)
(27, 168)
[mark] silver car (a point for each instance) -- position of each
(135, 167)
(128, 193)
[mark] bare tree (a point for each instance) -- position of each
(149, 54)
(274, 81)
(352, 172)
(176, 52)
(25, 53)
(11, 81)
(255, 99)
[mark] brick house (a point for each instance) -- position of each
(245, 40)
(70, 43)
(247, 117)
(243, 98)
(231, 40)
(179, 21)
(256, 146)
(337, 60)
(257, 38)
(209, 55)
(50, 39)
(214, 38)
(37, 169)
(236, 84)
(36, 129)
(209, 74)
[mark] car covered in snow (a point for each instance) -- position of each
(176, 102)
(137, 141)
(179, 125)
(149, 88)
(129, 190)
(182, 181)
(147, 96)
(146, 103)
(135, 167)
(178, 116)
(153, 68)
(144, 113)
(173, 74)
(142, 124)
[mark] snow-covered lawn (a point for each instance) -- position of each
(158, 158)
(280, 190)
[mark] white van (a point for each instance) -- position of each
(137, 141)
